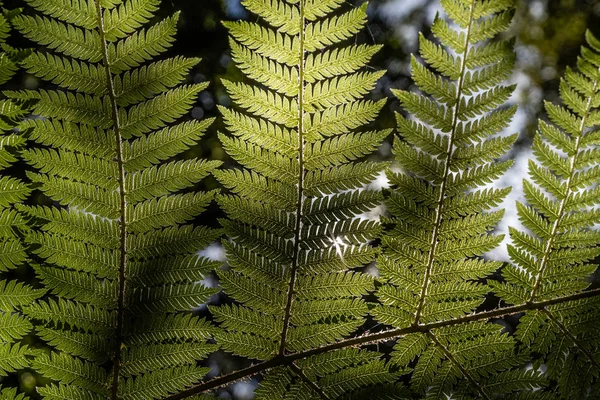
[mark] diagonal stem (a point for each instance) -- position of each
(298, 225)
(374, 338)
(576, 341)
(462, 370)
(433, 245)
(298, 371)
(122, 205)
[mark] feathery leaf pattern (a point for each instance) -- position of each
(432, 251)
(555, 257)
(295, 231)
(119, 253)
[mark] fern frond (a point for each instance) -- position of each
(14, 357)
(67, 39)
(119, 254)
(294, 222)
(441, 218)
(471, 357)
(555, 258)
(342, 374)
(11, 394)
(438, 224)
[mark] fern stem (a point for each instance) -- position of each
(575, 341)
(123, 205)
(563, 203)
(374, 338)
(440, 201)
(300, 202)
(298, 371)
(229, 378)
(462, 370)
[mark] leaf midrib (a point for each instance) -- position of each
(123, 202)
(300, 199)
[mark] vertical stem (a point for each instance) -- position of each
(440, 201)
(299, 216)
(123, 205)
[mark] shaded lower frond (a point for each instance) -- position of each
(15, 353)
(342, 374)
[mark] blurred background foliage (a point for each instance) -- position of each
(548, 36)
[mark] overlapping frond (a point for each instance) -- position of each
(13, 225)
(441, 219)
(470, 360)
(119, 253)
(341, 374)
(295, 230)
(556, 256)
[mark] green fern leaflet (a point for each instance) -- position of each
(295, 228)
(119, 254)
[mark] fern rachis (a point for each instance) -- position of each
(453, 350)
(432, 258)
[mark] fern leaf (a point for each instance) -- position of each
(127, 18)
(441, 218)
(335, 62)
(555, 257)
(294, 227)
(158, 384)
(148, 80)
(71, 74)
(141, 46)
(13, 357)
(119, 253)
(348, 373)
(66, 39)
(72, 12)
(62, 392)
(11, 394)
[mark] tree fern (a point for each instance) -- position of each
(441, 211)
(13, 294)
(554, 258)
(119, 253)
(295, 231)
